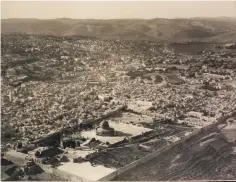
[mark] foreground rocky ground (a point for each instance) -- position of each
(209, 155)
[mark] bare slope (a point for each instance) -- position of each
(210, 155)
(154, 29)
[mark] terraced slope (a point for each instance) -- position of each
(208, 156)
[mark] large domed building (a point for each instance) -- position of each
(105, 130)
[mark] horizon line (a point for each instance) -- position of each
(217, 17)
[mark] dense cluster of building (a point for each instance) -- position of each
(50, 82)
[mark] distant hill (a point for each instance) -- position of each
(208, 29)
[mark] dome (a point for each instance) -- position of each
(105, 129)
(104, 125)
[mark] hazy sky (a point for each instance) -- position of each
(112, 10)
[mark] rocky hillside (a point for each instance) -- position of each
(207, 29)
(208, 155)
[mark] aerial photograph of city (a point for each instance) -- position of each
(118, 91)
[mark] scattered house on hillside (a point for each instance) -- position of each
(105, 98)
(230, 46)
(6, 99)
(124, 78)
(11, 72)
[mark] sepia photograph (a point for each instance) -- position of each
(118, 90)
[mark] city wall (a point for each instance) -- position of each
(108, 115)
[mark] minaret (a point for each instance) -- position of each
(24, 131)
(61, 135)
(10, 95)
